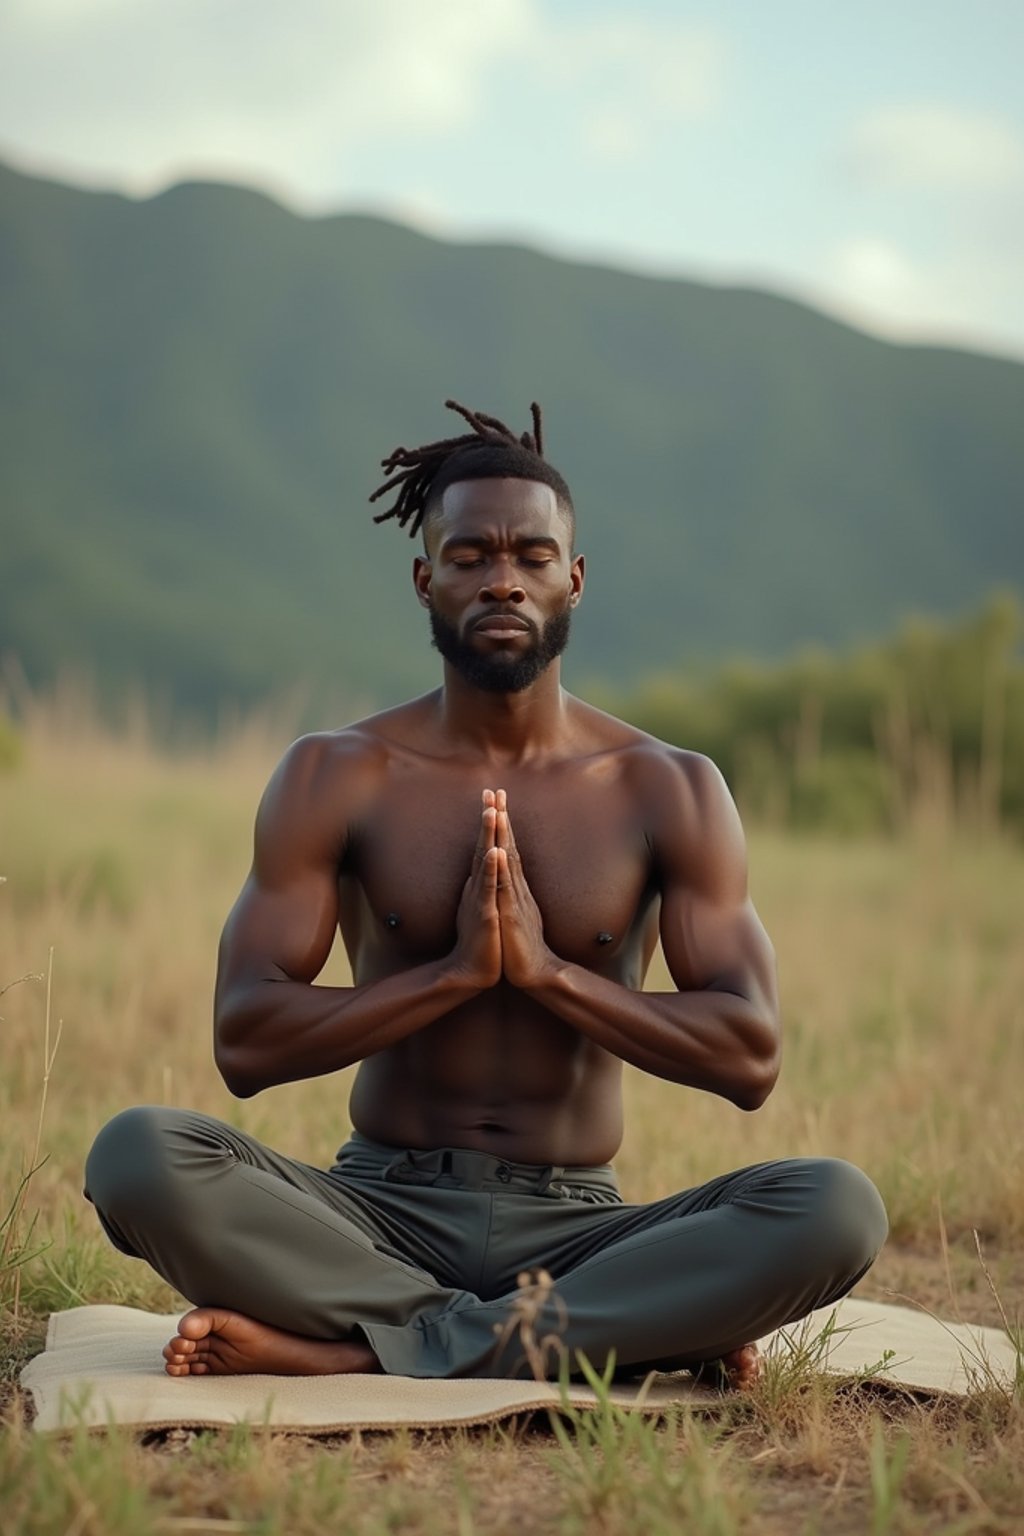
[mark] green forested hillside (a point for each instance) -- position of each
(195, 391)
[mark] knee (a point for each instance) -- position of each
(130, 1164)
(848, 1219)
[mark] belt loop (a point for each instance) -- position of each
(547, 1176)
(400, 1170)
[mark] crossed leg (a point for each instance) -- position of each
(319, 1288)
(216, 1341)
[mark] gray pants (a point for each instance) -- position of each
(418, 1252)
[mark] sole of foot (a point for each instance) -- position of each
(212, 1341)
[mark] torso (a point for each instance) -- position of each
(499, 1074)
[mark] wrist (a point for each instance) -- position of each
(547, 977)
(460, 980)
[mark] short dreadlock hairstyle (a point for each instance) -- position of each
(490, 451)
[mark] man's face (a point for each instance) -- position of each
(499, 581)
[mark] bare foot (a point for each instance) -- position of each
(739, 1369)
(742, 1367)
(212, 1342)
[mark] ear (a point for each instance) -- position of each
(422, 571)
(577, 575)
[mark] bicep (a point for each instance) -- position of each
(280, 931)
(712, 944)
(282, 925)
(710, 932)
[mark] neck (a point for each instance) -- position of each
(504, 727)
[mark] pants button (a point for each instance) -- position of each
(503, 1172)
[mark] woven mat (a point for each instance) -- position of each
(102, 1365)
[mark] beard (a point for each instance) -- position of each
(501, 671)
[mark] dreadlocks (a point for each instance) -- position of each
(490, 450)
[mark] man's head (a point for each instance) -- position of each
(490, 451)
(499, 577)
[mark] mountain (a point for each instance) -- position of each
(196, 391)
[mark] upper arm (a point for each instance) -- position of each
(710, 933)
(282, 925)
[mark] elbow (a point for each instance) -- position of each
(241, 1087)
(234, 1063)
(750, 1098)
(240, 1083)
(759, 1078)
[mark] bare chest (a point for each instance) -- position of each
(581, 842)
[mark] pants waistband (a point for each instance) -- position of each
(460, 1168)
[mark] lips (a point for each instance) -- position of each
(500, 624)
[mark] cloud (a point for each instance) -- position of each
(670, 68)
(612, 135)
(938, 147)
(649, 74)
(965, 293)
(139, 92)
(133, 91)
(875, 272)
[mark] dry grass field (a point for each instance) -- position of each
(903, 977)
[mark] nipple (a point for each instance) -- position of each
(393, 920)
(604, 938)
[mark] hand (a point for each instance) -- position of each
(525, 958)
(477, 953)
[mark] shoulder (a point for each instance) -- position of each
(323, 783)
(679, 781)
(349, 756)
(690, 816)
(323, 762)
(684, 788)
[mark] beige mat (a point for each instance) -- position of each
(103, 1365)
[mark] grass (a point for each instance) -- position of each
(902, 974)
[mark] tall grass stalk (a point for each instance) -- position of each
(15, 1245)
(1014, 1332)
(888, 1471)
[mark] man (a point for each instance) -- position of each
(501, 859)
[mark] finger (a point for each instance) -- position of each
(489, 797)
(506, 838)
(485, 838)
(490, 879)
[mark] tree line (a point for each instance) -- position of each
(926, 726)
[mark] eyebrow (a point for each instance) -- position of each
(476, 541)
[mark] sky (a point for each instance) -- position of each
(868, 158)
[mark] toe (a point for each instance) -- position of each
(180, 1348)
(197, 1324)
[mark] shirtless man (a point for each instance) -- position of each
(501, 859)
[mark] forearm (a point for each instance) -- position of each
(279, 1031)
(713, 1040)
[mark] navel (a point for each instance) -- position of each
(604, 938)
(393, 920)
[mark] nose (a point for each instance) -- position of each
(502, 586)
